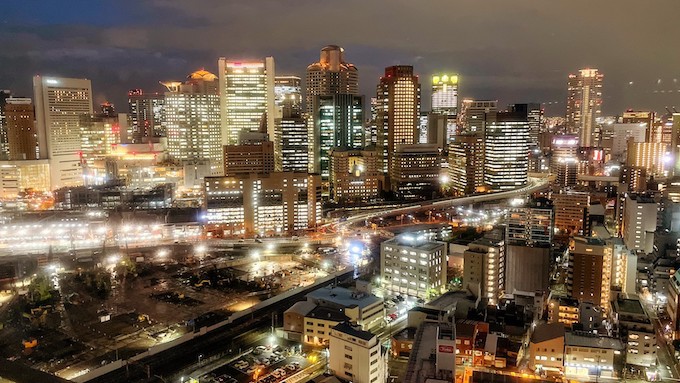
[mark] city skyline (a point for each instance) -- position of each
(135, 45)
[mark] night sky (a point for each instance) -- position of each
(511, 50)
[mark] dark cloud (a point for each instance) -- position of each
(520, 50)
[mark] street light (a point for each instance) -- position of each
(200, 356)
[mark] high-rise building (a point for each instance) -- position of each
(506, 151)
(99, 135)
(639, 222)
(648, 155)
(291, 141)
(330, 75)
(59, 102)
(646, 119)
(590, 270)
(192, 120)
(445, 101)
(338, 123)
(4, 95)
(247, 98)
(466, 163)
(398, 110)
(584, 102)
(412, 265)
(246, 158)
(570, 211)
(146, 116)
(530, 225)
(484, 272)
(416, 171)
(288, 91)
(22, 140)
(564, 160)
(475, 115)
(535, 117)
(614, 139)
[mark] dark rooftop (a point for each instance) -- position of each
(349, 330)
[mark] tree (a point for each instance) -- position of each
(39, 289)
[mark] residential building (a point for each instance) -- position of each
(546, 348)
(398, 112)
(584, 103)
(646, 119)
(639, 222)
(506, 151)
(415, 171)
(19, 129)
(651, 156)
(484, 271)
(192, 121)
(59, 102)
(146, 116)
(564, 310)
(330, 75)
(531, 225)
(616, 138)
(636, 329)
(590, 271)
(247, 98)
(413, 266)
(354, 175)
(357, 355)
(570, 210)
(466, 164)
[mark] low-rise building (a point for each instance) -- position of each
(433, 356)
(546, 348)
(636, 329)
(588, 356)
(363, 309)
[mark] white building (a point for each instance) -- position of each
(59, 102)
(362, 308)
(192, 121)
(588, 356)
(639, 222)
(413, 265)
(246, 96)
(546, 347)
(357, 355)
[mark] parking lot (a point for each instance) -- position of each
(271, 361)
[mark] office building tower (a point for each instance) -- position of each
(584, 102)
(192, 120)
(356, 355)
(330, 75)
(59, 102)
(99, 135)
(590, 269)
(268, 204)
(288, 91)
(291, 141)
(416, 171)
(413, 266)
(398, 110)
(466, 164)
(445, 94)
(247, 98)
(564, 159)
(146, 116)
(354, 175)
(506, 151)
(484, 272)
(19, 176)
(437, 129)
(475, 115)
(647, 120)
(338, 123)
(4, 95)
(535, 117)
(639, 222)
(614, 139)
(445, 101)
(107, 109)
(22, 139)
(246, 158)
(570, 210)
(651, 156)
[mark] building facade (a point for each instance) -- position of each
(506, 152)
(22, 137)
(584, 104)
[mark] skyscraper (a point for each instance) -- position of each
(331, 75)
(475, 115)
(338, 123)
(398, 110)
(288, 91)
(99, 134)
(59, 102)
(535, 117)
(292, 141)
(4, 95)
(146, 116)
(584, 103)
(466, 163)
(192, 120)
(506, 151)
(590, 271)
(445, 101)
(22, 141)
(246, 97)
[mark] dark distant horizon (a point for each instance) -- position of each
(516, 52)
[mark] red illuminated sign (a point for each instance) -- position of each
(446, 349)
